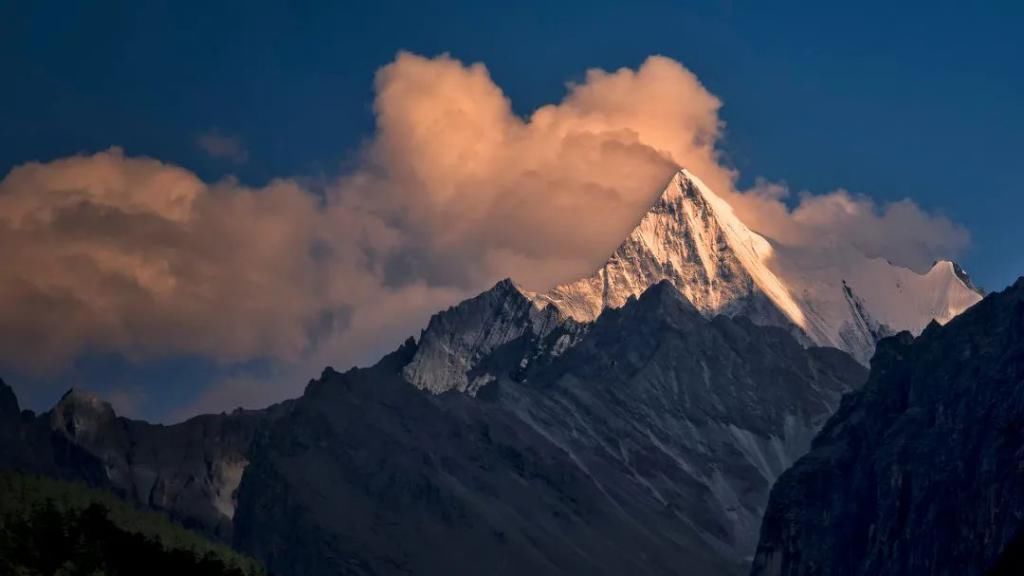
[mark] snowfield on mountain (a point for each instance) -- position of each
(692, 238)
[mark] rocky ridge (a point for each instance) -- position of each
(922, 470)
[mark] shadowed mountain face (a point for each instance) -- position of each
(457, 347)
(648, 447)
(189, 470)
(921, 471)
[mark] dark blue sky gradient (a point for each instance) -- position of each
(919, 100)
(892, 101)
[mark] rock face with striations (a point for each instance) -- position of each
(455, 343)
(648, 446)
(922, 470)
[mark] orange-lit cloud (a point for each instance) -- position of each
(453, 191)
(108, 252)
(543, 198)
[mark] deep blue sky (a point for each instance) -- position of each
(920, 101)
(923, 101)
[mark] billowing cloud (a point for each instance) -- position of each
(108, 252)
(223, 147)
(484, 193)
(543, 198)
(901, 232)
(453, 191)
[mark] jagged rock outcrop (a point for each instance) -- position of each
(647, 448)
(28, 444)
(922, 470)
(458, 339)
(189, 470)
(9, 410)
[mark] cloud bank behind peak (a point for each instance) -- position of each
(452, 192)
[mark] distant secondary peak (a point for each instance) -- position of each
(965, 278)
(951, 269)
(506, 285)
(456, 339)
(8, 401)
(78, 398)
(80, 413)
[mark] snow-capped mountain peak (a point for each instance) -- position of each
(840, 298)
(692, 238)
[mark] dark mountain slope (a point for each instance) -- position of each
(922, 471)
(647, 448)
(189, 470)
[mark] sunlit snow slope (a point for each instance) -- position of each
(691, 237)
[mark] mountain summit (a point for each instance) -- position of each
(692, 238)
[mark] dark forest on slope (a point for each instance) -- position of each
(53, 527)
